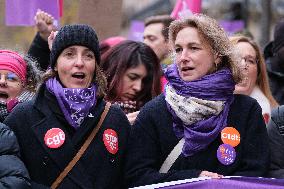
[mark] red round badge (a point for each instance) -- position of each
(54, 138)
(110, 141)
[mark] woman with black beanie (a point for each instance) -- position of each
(65, 140)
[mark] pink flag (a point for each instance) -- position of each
(60, 8)
(22, 12)
(184, 8)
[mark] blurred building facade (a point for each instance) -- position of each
(110, 19)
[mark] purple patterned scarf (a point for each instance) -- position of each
(218, 86)
(74, 103)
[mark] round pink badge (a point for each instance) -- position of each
(226, 154)
(54, 138)
(110, 141)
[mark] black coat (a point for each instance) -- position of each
(40, 51)
(13, 173)
(152, 139)
(97, 168)
(275, 71)
(275, 129)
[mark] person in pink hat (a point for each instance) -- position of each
(18, 80)
(108, 43)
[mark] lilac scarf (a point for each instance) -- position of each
(216, 86)
(74, 103)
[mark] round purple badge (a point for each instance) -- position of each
(226, 154)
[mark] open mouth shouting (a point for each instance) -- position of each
(79, 75)
(3, 96)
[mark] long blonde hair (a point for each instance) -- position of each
(262, 78)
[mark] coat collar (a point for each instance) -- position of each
(49, 121)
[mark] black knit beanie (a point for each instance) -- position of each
(69, 35)
(278, 36)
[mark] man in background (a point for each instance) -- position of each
(156, 36)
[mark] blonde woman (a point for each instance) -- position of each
(255, 82)
(197, 114)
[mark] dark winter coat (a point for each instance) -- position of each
(152, 139)
(275, 130)
(275, 71)
(97, 168)
(13, 173)
(40, 51)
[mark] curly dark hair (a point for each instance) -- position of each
(34, 74)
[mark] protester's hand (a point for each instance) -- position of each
(51, 38)
(210, 174)
(44, 24)
(132, 117)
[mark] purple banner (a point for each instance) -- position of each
(136, 31)
(232, 26)
(233, 182)
(22, 12)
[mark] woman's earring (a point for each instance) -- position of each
(217, 61)
(216, 66)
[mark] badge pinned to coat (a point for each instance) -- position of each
(54, 138)
(110, 141)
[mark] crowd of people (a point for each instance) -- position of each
(187, 102)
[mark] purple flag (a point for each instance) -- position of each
(232, 26)
(22, 12)
(136, 31)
